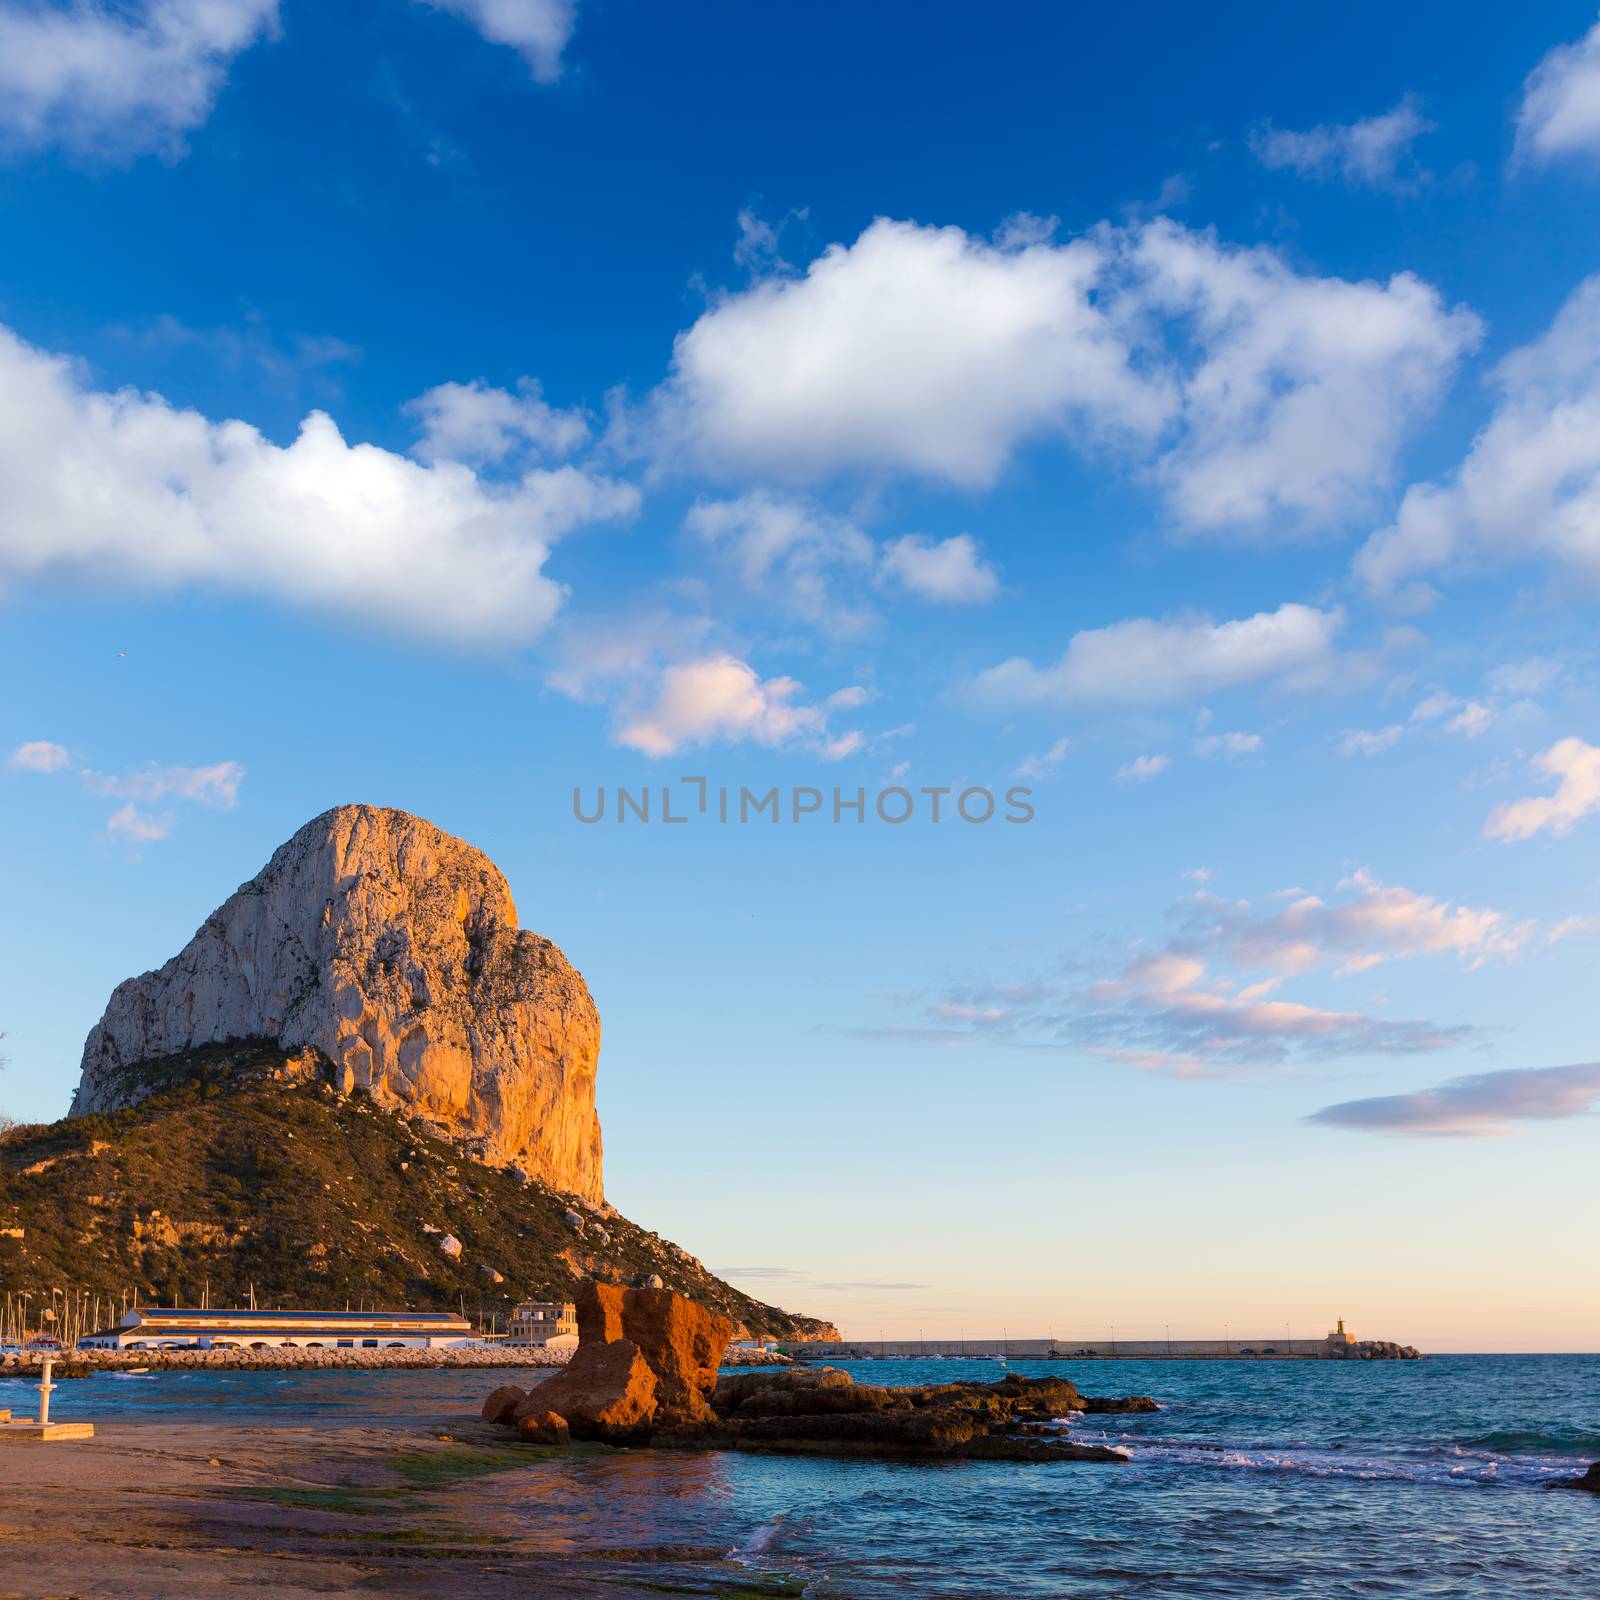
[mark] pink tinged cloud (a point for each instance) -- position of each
(1576, 768)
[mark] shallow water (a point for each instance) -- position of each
(1286, 1478)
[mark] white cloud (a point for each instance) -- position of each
(947, 571)
(1472, 719)
(1142, 769)
(38, 755)
(135, 823)
(1249, 389)
(1433, 706)
(719, 698)
(1227, 744)
(1361, 742)
(1479, 1106)
(1576, 768)
(1530, 483)
(1301, 389)
(1042, 765)
(119, 79)
(537, 29)
(1560, 112)
(1374, 153)
(124, 489)
(920, 349)
(474, 423)
(790, 549)
(216, 785)
(813, 562)
(1145, 662)
(136, 826)
(1523, 677)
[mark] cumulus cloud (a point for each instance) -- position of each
(1146, 662)
(1529, 485)
(538, 30)
(720, 698)
(1142, 769)
(920, 349)
(125, 489)
(1246, 388)
(1300, 389)
(1374, 153)
(1482, 1105)
(38, 755)
(475, 423)
(946, 571)
(1575, 767)
(1560, 111)
(118, 80)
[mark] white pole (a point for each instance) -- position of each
(45, 1387)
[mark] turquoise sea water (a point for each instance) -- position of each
(1256, 1478)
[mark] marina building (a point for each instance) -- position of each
(168, 1328)
(546, 1323)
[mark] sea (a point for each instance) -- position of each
(1417, 1479)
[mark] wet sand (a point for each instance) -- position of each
(151, 1510)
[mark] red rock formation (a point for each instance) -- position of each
(683, 1344)
(607, 1391)
(536, 1425)
(503, 1402)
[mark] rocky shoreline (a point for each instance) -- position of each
(646, 1374)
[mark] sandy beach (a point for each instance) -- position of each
(148, 1510)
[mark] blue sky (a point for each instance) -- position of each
(1193, 420)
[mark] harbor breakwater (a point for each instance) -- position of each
(1105, 1348)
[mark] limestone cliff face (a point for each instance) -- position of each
(392, 949)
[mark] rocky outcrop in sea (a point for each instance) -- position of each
(645, 1373)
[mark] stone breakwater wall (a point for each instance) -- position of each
(68, 1362)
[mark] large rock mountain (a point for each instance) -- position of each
(387, 953)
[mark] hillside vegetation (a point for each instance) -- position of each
(234, 1174)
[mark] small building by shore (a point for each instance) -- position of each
(174, 1328)
(545, 1324)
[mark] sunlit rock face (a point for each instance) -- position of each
(391, 950)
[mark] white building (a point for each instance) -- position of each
(168, 1328)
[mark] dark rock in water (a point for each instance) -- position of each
(1590, 1481)
(827, 1413)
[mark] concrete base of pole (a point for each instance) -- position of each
(24, 1428)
